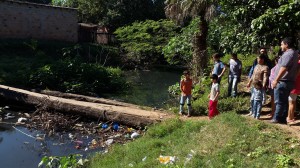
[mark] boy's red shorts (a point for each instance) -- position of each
(212, 109)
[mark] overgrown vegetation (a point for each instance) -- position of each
(80, 68)
(229, 140)
(143, 42)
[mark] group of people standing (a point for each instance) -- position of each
(280, 78)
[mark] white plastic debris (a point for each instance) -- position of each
(134, 135)
(189, 157)
(22, 119)
(109, 142)
(71, 136)
(9, 116)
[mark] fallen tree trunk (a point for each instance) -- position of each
(86, 98)
(106, 112)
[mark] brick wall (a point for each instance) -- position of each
(29, 20)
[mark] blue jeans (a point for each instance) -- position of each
(182, 101)
(281, 99)
(232, 85)
(256, 108)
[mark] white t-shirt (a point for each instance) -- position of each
(213, 92)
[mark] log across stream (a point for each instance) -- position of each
(103, 109)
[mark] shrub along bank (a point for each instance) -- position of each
(75, 68)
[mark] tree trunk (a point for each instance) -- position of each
(200, 60)
(106, 110)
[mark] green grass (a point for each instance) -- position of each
(229, 140)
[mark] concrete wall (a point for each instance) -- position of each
(29, 20)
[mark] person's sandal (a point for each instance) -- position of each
(290, 121)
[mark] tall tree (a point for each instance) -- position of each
(115, 13)
(181, 10)
(245, 25)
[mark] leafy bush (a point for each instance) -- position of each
(143, 41)
(179, 48)
(76, 77)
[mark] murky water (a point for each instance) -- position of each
(149, 88)
(20, 149)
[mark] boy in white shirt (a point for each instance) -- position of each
(213, 97)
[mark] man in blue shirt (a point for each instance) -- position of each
(219, 67)
(284, 80)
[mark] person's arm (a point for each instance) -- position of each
(265, 77)
(263, 96)
(217, 95)
(281, 72)
(221, 74)
(181, 86)
(250, 72)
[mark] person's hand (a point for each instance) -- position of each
(248, 85)
(274, 84)
(219, 76)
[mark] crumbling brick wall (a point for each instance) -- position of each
(23, 20)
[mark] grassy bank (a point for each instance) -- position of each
(229, 140)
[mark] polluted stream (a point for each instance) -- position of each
(27, 136)
(45, 133)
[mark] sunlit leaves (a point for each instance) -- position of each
(143, 41)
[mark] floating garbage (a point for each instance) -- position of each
(109, 142)
(71, 136)
(135, 135)
(130, 129)
(115, 126)
(22, 119)
(104, 126)
(166, 159)
(9, 116)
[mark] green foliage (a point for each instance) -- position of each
(258, 152)
(71, 161)
(179, 49)
(284, 161)
(244, 26)
(76, 77)
(143, 41)
(115, 13)
(277, 23)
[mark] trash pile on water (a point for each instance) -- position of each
(84, 133)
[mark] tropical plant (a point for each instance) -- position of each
(179, 50)
(73, 76)
(244, 26)
(181, 10)
(142, 42)
(115, 13)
